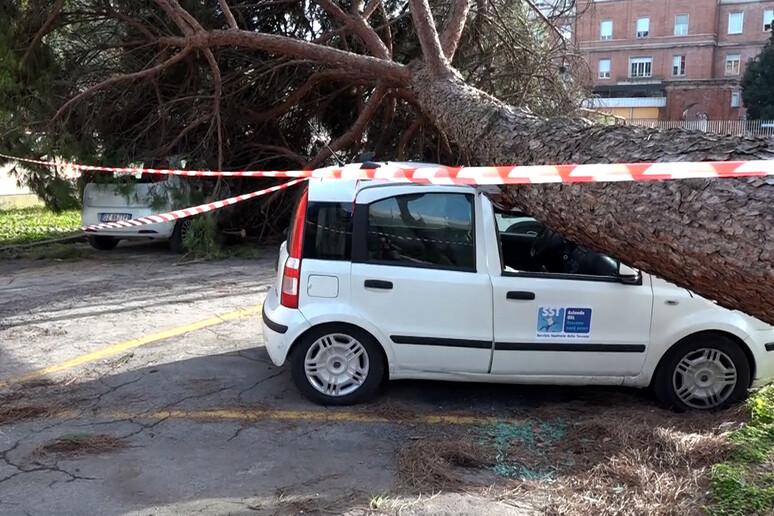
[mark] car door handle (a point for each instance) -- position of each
(520, 295)
(375, 283)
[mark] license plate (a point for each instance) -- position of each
(114, 217)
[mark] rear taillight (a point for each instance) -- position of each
(291, 274)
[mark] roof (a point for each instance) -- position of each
(345, 190)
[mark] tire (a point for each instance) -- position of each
(177, 240)
(103, 243)
(706, 371)
(335, 340)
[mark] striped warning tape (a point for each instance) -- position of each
(473, 175)
(189, 212)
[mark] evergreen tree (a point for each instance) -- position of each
(758, 84)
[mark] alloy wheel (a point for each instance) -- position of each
(336, 364)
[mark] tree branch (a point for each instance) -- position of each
(545, 19)
(283, 151)
(295, 97)
(371, 7)
(354, 132)
(122, 78)
(228, 14)
(184, 21)
(218, 94)
(454, 27)
(56, 9)
(408, 136)
(367, 66)
(428, 38)
(359, 27)
(164, 151)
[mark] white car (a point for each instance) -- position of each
(147, 195)
(386, 280)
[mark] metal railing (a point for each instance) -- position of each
(733, 127)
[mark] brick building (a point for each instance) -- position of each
(671, 59)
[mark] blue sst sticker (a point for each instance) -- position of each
(563, 322)
(577, 320)
(550, 319)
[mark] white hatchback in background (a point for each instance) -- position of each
(149, 195)
(385, 280)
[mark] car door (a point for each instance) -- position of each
(568, 324)
(417, 274)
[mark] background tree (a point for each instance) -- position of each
(758, 84)
(175, 58)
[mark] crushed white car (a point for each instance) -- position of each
(384, 280)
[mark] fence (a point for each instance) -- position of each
(733, 127)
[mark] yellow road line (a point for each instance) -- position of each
(320, 416)
(131, 344)
(278, 414)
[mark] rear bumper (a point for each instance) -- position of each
(281, 327)
(162, 230)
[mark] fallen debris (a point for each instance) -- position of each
(82, 444)
(15, 414)
(432, 465)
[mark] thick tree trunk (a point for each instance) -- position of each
(715, 237)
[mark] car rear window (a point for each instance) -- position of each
(430, 230)
(328, 231)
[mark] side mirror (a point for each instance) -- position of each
(628, 275)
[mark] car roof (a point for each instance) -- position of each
(346, 190)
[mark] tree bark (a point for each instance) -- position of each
(715, 237)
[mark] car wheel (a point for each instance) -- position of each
(103, 243)
(704, 372)
(337, 364)
(177, 240)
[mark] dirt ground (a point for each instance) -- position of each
(131, 384)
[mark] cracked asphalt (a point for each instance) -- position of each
(205, 422)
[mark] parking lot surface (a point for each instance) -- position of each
(132, 384)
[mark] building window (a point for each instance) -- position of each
(643, 27)
(732, 64)
(604, 68)
(681, 25)
(640, 66)
(735, 23)
(678, 66)
(606, 29)
(768, 19)
(736, 99)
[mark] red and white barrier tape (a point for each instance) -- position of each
(475, 175)
(188, 212)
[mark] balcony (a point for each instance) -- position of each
(653, 79)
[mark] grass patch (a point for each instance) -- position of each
(26, 225)
(56, 251)
(744, 484)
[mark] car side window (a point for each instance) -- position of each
(529, 247)
(423, 230)
(328, 231)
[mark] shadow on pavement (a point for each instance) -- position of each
(182, 456)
